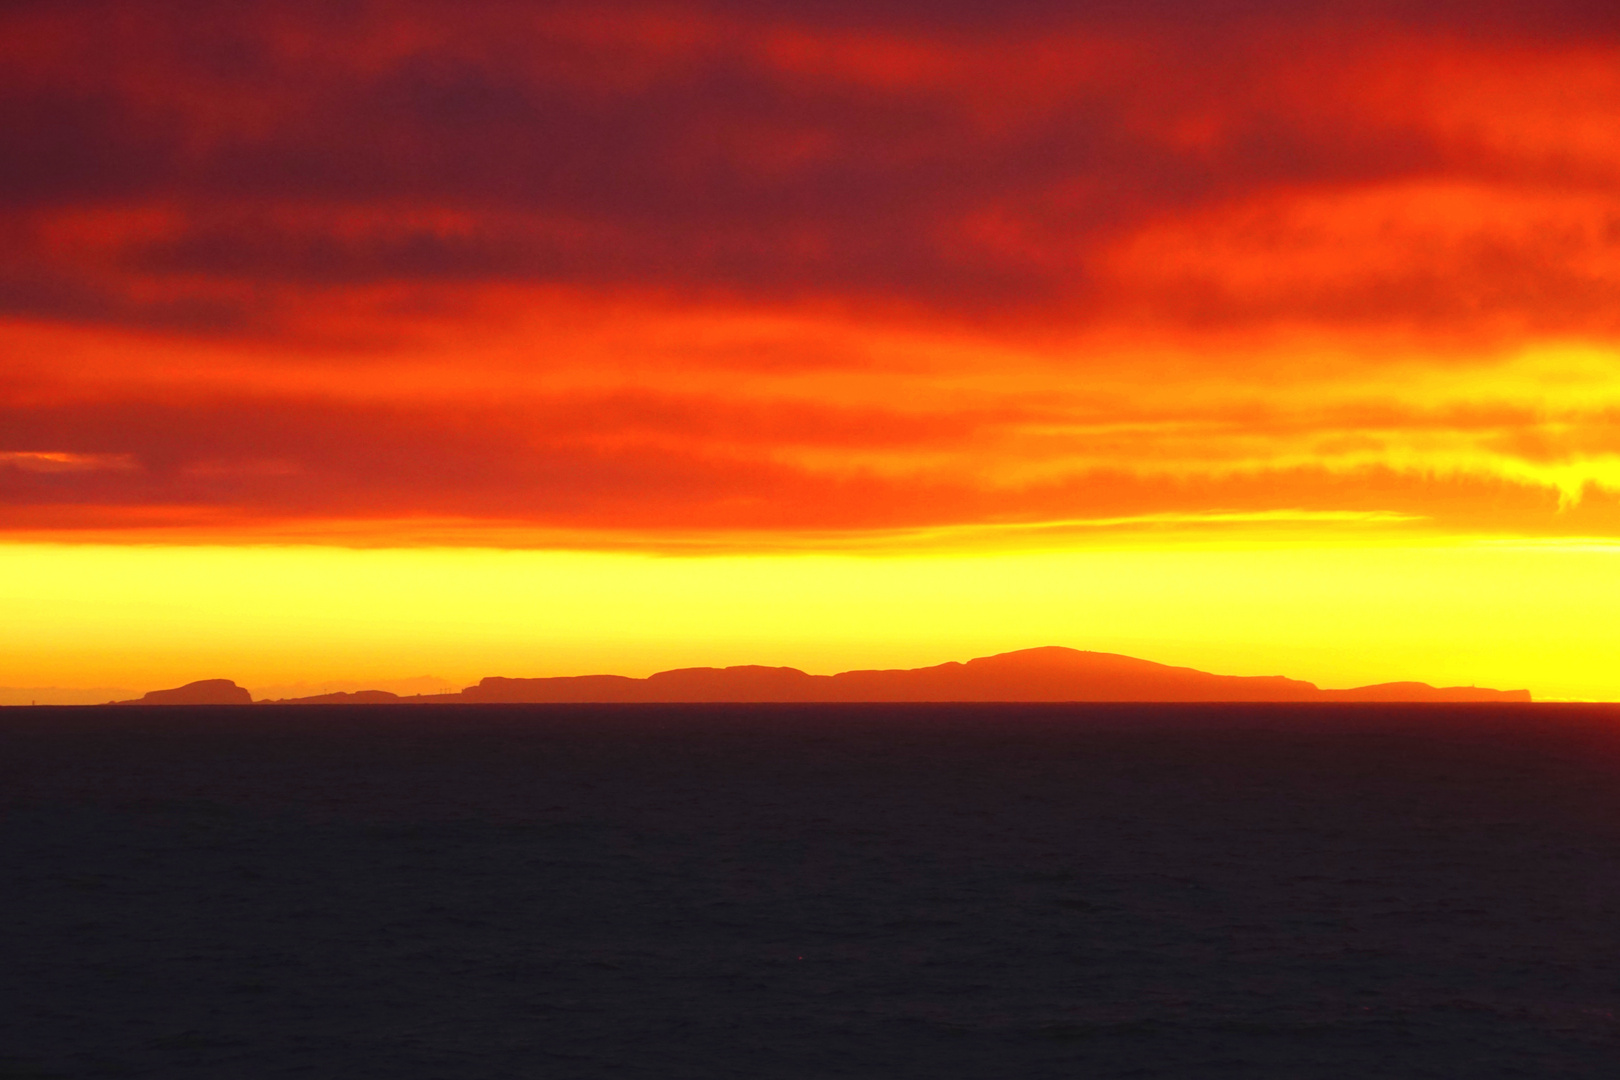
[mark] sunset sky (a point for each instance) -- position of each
(363, 341)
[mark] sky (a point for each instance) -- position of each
(352, 341)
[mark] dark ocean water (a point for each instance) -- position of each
(810, 891)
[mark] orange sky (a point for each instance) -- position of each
(905, 282)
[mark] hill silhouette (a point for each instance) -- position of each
(202, 692)
(1052, 673)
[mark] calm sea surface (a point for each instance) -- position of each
(810, 891)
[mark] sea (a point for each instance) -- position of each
(810, 891)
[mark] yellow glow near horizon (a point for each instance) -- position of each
(1510, 615)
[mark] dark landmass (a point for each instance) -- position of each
(1052, 673)
(356, 697)
(202, 692)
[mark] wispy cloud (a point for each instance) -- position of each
(56, 461)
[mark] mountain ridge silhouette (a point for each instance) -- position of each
(1047, 673)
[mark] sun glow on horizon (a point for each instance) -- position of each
(459, 339)
(1337, 615)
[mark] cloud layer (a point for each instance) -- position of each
(806, 268)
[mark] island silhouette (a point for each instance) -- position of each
(202, 692)
(1050, 673)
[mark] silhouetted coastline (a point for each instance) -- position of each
(1051, 673)
(201, 692)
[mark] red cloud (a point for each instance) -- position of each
(669, 466)
(1055, 261)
